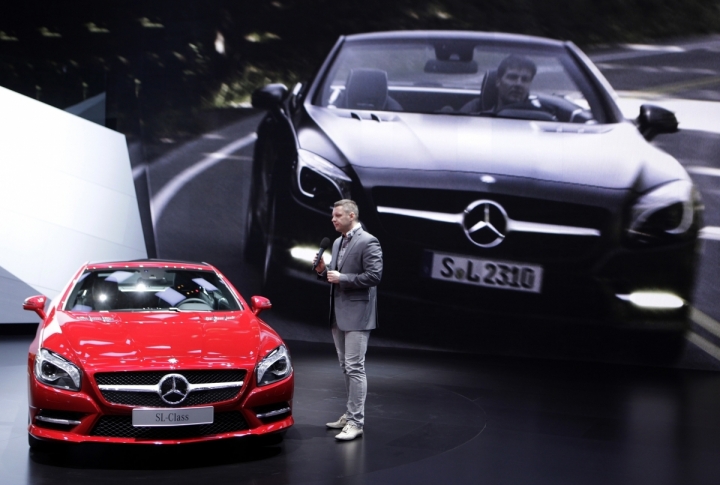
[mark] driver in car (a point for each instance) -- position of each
(514, 76)
(512, 82)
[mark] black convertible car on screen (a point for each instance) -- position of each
(496, 170)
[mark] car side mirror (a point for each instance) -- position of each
(269, 97)
(654, 120)
(36, 304)
(259, 303)
(296, 96)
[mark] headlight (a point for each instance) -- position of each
(321, 182)
(275, 366)
(55, 371)
(667, 212)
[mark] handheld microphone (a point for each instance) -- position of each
(324, 244)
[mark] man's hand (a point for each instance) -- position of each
(333, 276)
(320, 264)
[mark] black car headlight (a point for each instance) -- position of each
(55, 371)
(320, 182)
(274, 367)
(666, 213)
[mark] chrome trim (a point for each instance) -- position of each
(431, 216)
(269, 414)
(66, 422)
(214, 385)
(416, 89)
(512, 225)
(156, 388)
(519, 226)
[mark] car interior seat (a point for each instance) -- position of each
(488, 95)
(367, 89)
(488, 91)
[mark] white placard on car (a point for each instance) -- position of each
(151, 417)
(503, 275)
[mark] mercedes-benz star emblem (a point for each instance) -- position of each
(173, 388)
(485, 223)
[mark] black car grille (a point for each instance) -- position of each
(149, 378)
(518, 246)
(152, 400)
(121, 427)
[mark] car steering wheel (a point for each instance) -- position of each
(193, 300)
(525, 112)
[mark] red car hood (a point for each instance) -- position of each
(113, 341)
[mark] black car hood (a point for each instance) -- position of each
(612, 156)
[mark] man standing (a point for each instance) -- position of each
(354, 273)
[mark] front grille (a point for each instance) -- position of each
(517, 246)
(121, 427)
(152, 400)
(149, 378)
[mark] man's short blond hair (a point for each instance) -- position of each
(348, 206)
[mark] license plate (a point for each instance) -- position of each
(504, 275)
(144, 417)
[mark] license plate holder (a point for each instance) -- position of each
(164, 417)
(489, 273)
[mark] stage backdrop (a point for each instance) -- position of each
(67, 196)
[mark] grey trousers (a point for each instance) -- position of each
(351, 348)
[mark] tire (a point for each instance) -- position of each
(271, 272)
(253, 238)
(253, 247)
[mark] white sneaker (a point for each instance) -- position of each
(339, 424)
(349, 432)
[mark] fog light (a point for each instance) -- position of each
(304, 253)
(653, 299)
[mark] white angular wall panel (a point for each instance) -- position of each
(67, 196)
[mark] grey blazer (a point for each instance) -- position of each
(354, 299)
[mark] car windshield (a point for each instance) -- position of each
(460, 77)
(148, 289)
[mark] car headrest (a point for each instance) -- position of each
(488, 91)
(366, 89)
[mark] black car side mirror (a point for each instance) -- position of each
(654, 120)
(269, 97)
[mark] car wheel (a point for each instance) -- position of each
(253, 243)
(271, 271)
(253, 248)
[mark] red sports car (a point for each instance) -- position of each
(155, 352)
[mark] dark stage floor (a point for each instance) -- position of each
(432, 418)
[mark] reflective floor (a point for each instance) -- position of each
(432, 418)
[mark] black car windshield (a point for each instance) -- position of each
(460, 77)
(148, 289)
